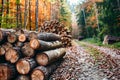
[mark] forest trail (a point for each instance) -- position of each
(80, 65)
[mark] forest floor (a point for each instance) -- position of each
(85, 61)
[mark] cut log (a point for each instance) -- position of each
(24, 65)
(48, 57)
(27, 50)
(48, 36)
(108, 39)
(2, 51)
(43, 73)
(7, 46)
(19, 31)
(42, 45)
(13, 54)
(7, 71)
(12, 38)
(23, 37)
(19, 44)
(23, 77)
(32, 35)
(3, 36)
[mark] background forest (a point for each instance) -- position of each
(97, 18)
(30, 14)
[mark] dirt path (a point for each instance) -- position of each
(78, 65)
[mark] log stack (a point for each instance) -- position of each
(57, 28)
(29, 55)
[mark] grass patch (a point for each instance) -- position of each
(99, 43)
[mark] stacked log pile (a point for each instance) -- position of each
(29, 55)
(57, 28)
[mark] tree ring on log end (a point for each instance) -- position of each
(23, 66)
(12, 38)
(12, 55)
(34, 43)
(22, 38)
(37, 75)
(42, 59)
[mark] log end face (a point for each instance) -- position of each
(37, 75)
(42, 59)
(22, 38)
(12, 38)
(5, 72)
(11, 55)
(34, 43)
(23, 67)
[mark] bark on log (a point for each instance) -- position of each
(19, 44)
(108, 39)
(48, 57)
(13, 54)
(32, 35)
(43, 73)
(7, 71)
(12, 38)
(48, 36)
(27, 50)
(24, 65)
(42, 45)
(23, 77)
(3, 36)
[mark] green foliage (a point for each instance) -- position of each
(65, 13)
(108, 18)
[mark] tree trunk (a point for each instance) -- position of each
(25, 14)
(48, 57)
(23, 77)
(30, 15)
(48, 36)
(17, 17)
(7, 13)
(43, 73)
(7, 71)
(36, 15)
(27, 50)
(25, 65)
(13, 54)
(42, 45)
(1, 12)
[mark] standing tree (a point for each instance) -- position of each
(1, 11)
(36, 15)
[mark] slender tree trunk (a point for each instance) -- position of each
(7, 12)
(36, 15)
(96, 12)
(85, 23)
(17, 18)
(30, 15)
(20, 16)
(1, 12)
(25, 14)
